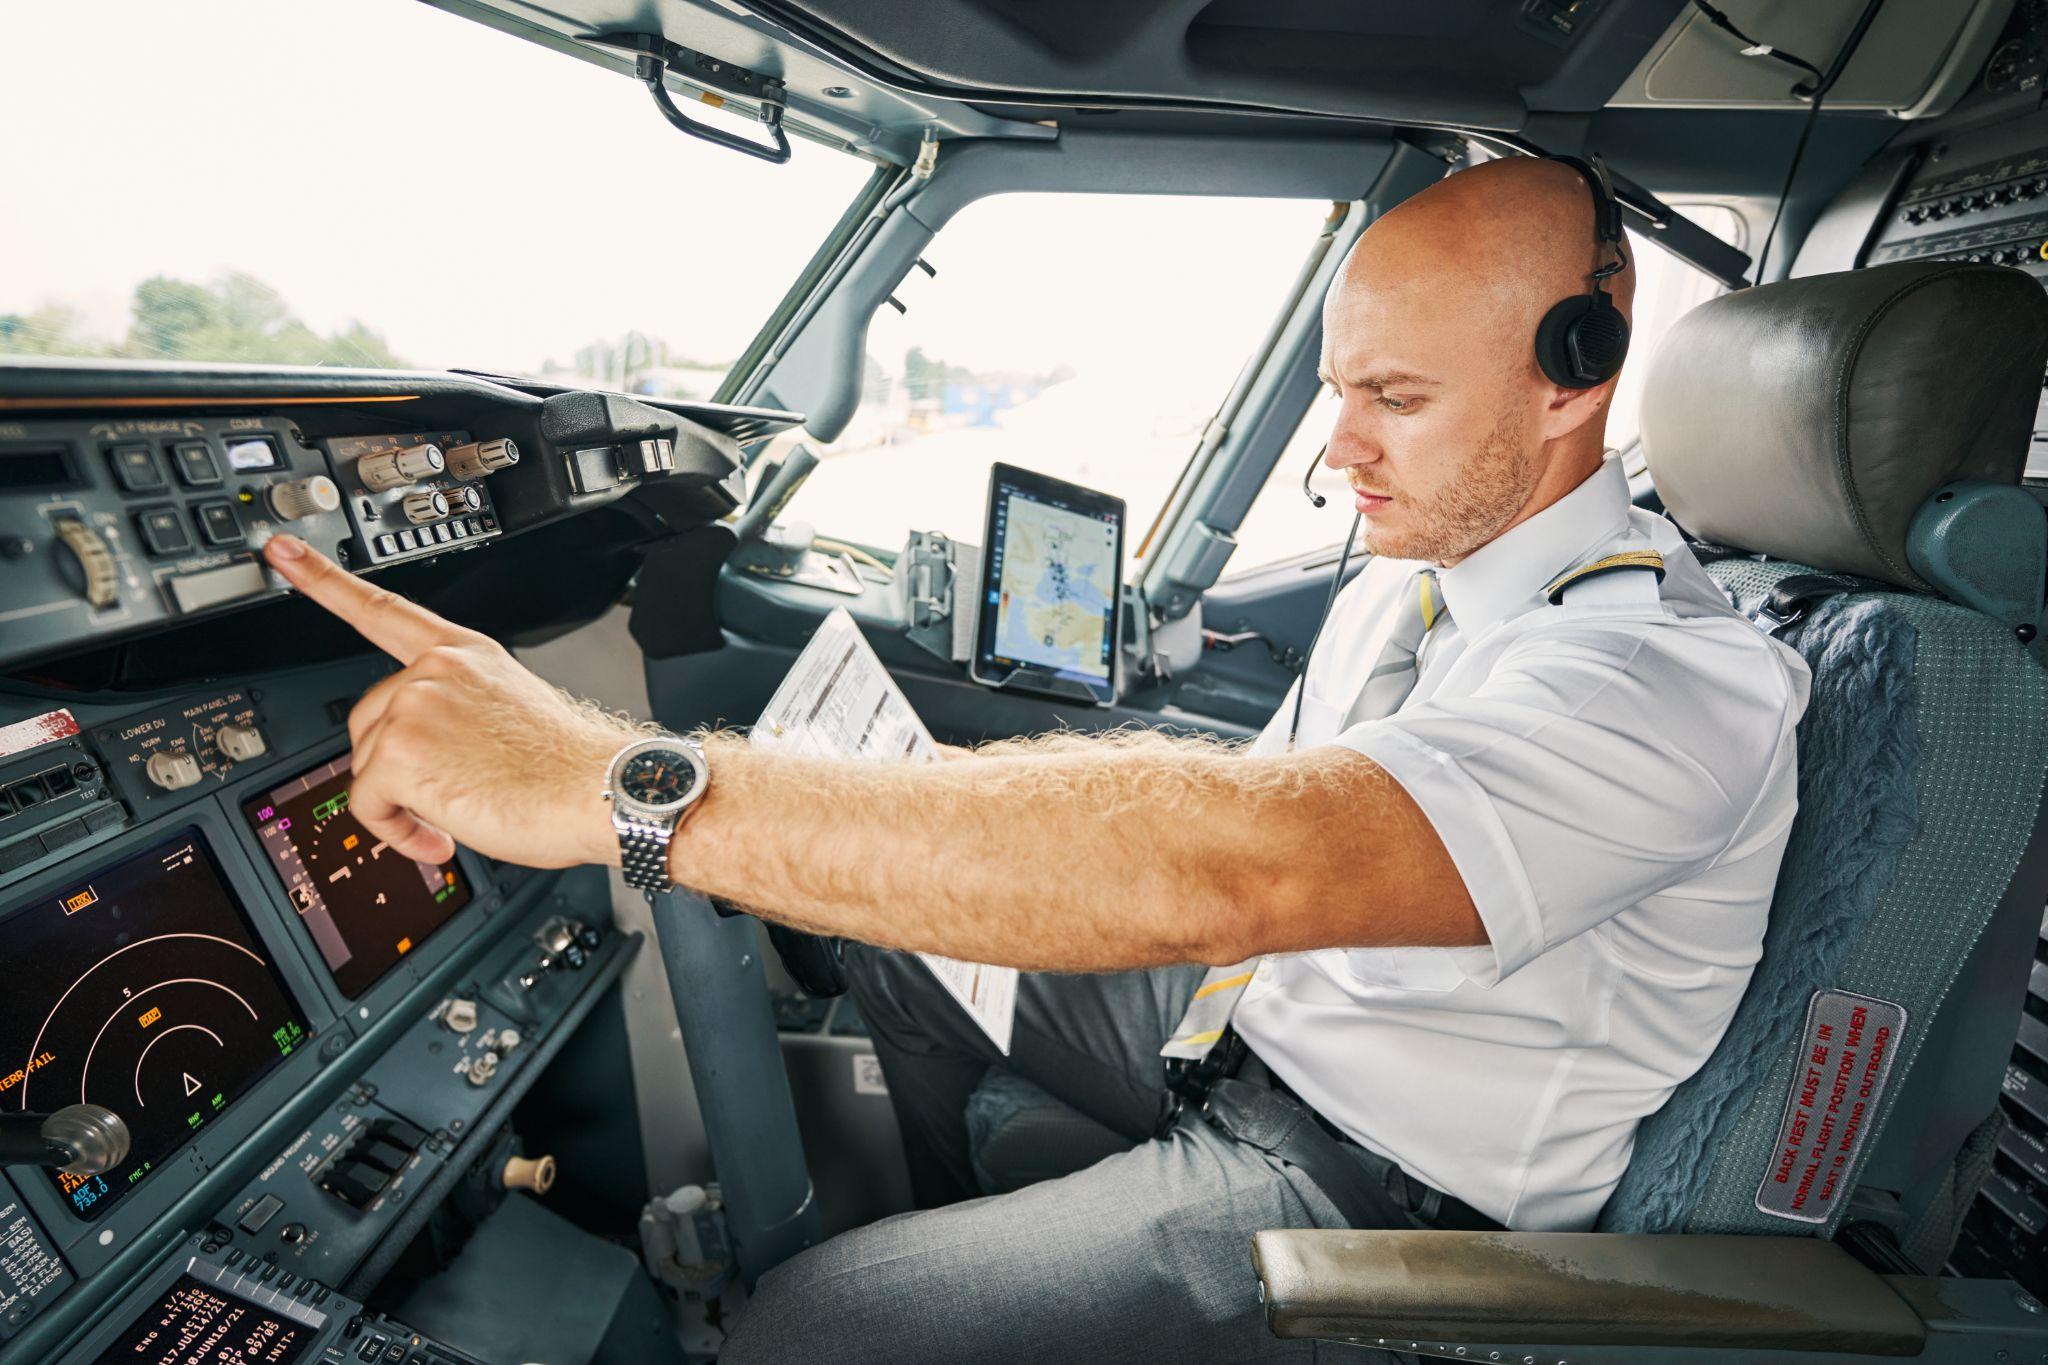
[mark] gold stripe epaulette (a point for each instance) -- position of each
(1627, 559)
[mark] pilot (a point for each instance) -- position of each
(1484, 891)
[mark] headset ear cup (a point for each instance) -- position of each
(1582, 341)
(1599, 342)
(1553, 342)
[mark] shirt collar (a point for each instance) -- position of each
(1511, 569)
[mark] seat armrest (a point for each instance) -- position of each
(1580, 1289)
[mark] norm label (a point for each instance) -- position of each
(1837, 1080)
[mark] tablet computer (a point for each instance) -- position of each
(1051, 588)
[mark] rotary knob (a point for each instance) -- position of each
(298, 498)
(172, 769)
(95, 561)
(240, 742)
(479, 458)
(429, 504)
(463, 499)
(397, 468)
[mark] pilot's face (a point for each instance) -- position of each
(1439, 432)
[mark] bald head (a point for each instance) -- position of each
(1450, 430)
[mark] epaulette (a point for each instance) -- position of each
(1625, 562)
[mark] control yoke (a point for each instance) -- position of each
(79, 1139)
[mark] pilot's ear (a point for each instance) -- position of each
(1569, 409)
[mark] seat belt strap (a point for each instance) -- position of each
(1791, 598)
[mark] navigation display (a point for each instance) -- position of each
(141, 988)
(197, 1324)
(1051, 579)
(365, 905)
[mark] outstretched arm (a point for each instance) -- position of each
(1074, 855)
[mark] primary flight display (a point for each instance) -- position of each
(365, 904)
(144, 989)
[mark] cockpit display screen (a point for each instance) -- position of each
(365, 904)
(1051, 580)
(143, 989)
(197, 1324)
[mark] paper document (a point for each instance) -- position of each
(838, 701)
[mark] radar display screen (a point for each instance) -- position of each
(365, 904)
(143, 989)
(197, 1324)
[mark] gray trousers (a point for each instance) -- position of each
(1144, 1256)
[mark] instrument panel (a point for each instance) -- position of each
(309, 1038)
(134, 499)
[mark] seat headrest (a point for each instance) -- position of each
(1810, 420)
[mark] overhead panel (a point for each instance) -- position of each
(1911, 50)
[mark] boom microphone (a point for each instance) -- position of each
(1315, 499)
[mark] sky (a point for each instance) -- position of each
(477, 199)
(482, 201)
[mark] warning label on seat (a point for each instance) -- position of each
(1837, 1080)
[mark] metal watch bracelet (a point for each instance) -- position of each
(643, 852)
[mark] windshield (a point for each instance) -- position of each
(377, 183)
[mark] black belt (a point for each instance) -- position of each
(1369, 1190)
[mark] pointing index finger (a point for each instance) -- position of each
(404, 630)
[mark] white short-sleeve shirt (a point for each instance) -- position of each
(1614, 779)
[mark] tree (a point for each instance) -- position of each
(52, 329)
(236, 317)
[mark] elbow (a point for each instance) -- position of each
(1255, 911)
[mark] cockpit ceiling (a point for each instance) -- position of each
(877, 72)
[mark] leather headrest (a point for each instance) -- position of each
(1809, 420)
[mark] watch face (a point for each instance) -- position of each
(658, 777)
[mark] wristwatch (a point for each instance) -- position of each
(653, 786)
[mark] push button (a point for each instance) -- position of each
(64, 835)
(260, 1213)
(136, 469)
(163, 531)
(195, 464)
(387, 544)
(217, 522)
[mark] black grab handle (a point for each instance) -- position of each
(650, 71)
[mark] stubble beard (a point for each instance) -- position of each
(1472, 509)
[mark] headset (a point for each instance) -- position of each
(1580, 343)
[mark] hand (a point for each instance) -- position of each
(463, 743)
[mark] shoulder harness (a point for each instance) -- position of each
(1628, 561)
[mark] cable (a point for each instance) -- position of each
(1785, 191)
(1819, 93)
(1336, 582)
(1752, 48)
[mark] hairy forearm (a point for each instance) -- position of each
(1071, 853)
